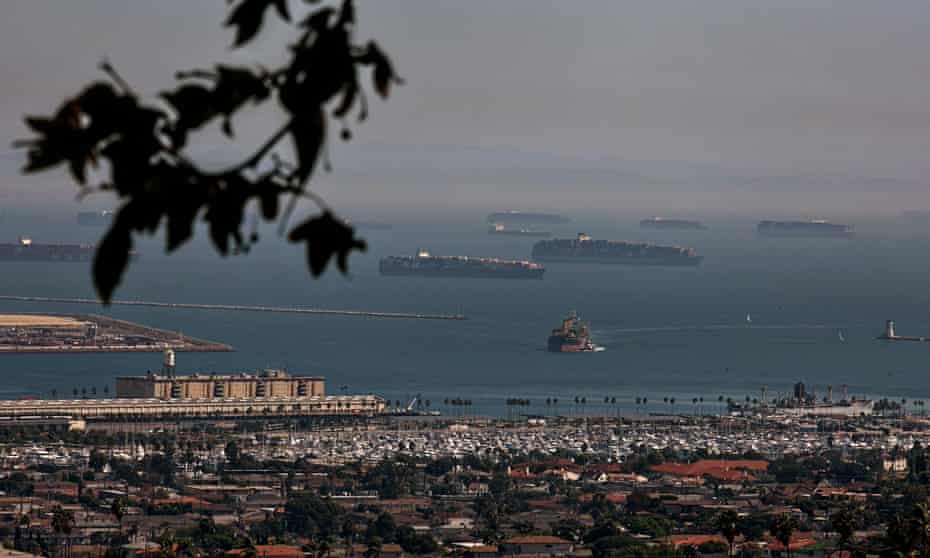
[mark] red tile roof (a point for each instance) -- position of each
(271, 551)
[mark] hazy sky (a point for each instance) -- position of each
(695, 104)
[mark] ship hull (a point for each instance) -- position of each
(462, 273)
(643, 261)
(45, 253)
(558, 344)
(802, 229)
(527, 218)
(669, 225)
(539, 234)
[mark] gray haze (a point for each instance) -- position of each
(795, 106)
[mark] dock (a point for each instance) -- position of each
(240, 308)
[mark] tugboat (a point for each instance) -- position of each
(572, 337)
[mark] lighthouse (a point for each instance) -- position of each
(889, 330)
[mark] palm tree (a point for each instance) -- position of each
(726, 523)
(783, 527)
(62, 521)
(844, 522)
(920, 528)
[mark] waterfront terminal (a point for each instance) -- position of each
(167, 395)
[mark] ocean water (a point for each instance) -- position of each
(668, 332)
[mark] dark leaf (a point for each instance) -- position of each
(193, 103)
(112, 255)
(318, 20)
(308, 132)
(78, 168)
(234, 87)
(247, 19)
(349, 93)
(39, 124)
(347, 13)
(225, 213)
(383, 74)
(326, 237)
(227, 128)
(97, 99)
(268, 198)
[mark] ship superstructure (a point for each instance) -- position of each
(428, 265)
(584, 249)
(815, 228)
(571, 337)
(27, 250)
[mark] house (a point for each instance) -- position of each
(481, 551)
(269, 551)
(536, 544)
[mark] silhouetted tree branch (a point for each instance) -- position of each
(157, 183)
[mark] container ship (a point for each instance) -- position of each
(95, 218)
(671, 224)
(498, 228)
(527, 218)
(428, 265)
(584, 249)
(817, 228)
(572, 337)
(27, 250)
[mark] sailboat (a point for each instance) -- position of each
(840, 334)
(748, 319)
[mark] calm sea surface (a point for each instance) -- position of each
(669, 332)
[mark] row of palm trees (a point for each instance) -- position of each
(84, 392)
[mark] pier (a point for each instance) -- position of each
(240, 308)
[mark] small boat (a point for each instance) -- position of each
(840, 335)
(748, 319)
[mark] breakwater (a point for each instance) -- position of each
(238, 308)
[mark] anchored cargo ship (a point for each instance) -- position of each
(671, 224)
(584, 249)
(497, 228)
(95, 218)
(527, 218)
(27, 250)
(428, 265)
(816, 228)
(572, 337)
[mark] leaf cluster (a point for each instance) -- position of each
(143, 143)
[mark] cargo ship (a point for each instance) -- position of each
(816, 228)
(527, 218)
(584, 249)
(671, 224)
(428, 265)
(572, 337)
(95, 218)
(498, 228)
(27, 250)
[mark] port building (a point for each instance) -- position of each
(265, 384)
(268, 383)
(269, 393)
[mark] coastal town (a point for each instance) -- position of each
(739, 484)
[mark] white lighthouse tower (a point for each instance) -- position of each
(889, 330)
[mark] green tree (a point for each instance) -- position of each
(62, 523)
(844, 522)
(783, 527)
(726, 522)
(157, 181)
